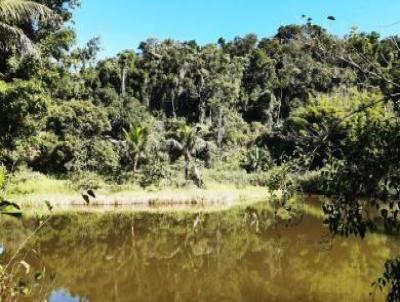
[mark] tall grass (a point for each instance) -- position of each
(26, 182)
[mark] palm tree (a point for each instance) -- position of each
(188, 145)
(136, 139)
(15, 12)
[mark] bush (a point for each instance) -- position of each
(25, 181)
(237, 131)
(86, 180)
(312, 182)
(238, 178)
(103, 157)
(259, 179)
(256, 159)
(156, 170)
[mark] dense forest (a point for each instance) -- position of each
(303, 110)
(302, 94)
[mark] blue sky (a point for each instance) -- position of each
(122, 24)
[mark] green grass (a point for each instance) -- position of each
(26, 183)
(32, 189)
(224, 189)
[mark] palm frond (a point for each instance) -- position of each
(175, 149)
(16, 11)
(137, 136)
(12, 37)
(203, 151)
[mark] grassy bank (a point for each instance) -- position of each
(31, 190)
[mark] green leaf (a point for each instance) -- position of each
(10, 208)
(49, 205)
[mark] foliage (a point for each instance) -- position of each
(3, 177)
(23, 108)
(69, 144)
(136, 139)
(14, 12)
(7, 207)
(156, 169)
(184, 142)
(256, 159)
(84, 180)
(391, 277)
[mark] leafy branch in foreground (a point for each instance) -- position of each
(18, 12)
(7, 207)
(390, 278)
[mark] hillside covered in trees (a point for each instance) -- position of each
(251, 104)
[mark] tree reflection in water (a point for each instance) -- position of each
(237, 255)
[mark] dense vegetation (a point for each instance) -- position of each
(304, 109)
(303, 91)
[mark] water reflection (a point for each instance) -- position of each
(238, 255)
(62, 295)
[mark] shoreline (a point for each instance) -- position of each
(185, 199)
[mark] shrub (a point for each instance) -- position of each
(103, 157)
(156, 170)
(256, 159)
(84, 180)
(312, 182)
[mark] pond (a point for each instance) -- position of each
(242, 254)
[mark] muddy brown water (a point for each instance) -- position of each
(241, 254)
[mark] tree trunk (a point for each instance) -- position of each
(220, 129)
(279, 107)
(123, 81)
(173, 108)
(173, 105)
(188, 159)
(144, 92)
(197, 177)
(146, 101)
(196, 172)
(135, 162)
(202, 114)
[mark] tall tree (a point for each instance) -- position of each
(126, 61)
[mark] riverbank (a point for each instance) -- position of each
(218, 196)
(32, 190)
